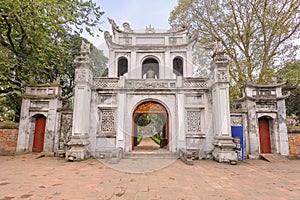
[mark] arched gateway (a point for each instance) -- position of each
(150, 118)
(115, 112)
(145, 68)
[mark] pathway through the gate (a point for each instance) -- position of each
(147, 145)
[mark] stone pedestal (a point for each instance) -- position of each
(223, 149)
(78, 149)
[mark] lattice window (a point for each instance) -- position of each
(193, 121)
(107, 122)
(105, 83)
(195, 84)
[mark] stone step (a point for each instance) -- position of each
(166, 155)
(274, 158)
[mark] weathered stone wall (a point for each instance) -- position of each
(294, 141)
(8, 141)
(65, 129)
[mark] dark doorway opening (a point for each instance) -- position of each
(39, 134)
(264, 135)
(122, 66)
(150, 69)
(150, 126)
(178, 66)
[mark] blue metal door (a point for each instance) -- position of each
(237, 132)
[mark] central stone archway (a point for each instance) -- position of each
(150, 118)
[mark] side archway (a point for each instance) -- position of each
(122, 66)
(178, 66)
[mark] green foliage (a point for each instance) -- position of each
(257, 35)
(144, 120)
(291, 75)
(37, 43)
(155, 138)
(100, 62)
(105, 72)
(139, 139)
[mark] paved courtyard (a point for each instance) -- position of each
(29, 177)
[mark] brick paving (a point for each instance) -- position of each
(26, 177)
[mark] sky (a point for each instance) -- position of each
(138, 13)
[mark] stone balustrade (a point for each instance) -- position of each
(106, 83)
(114, 83)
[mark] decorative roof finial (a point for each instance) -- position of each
(150, 29)
(127, 28)
(114, 26)
(85, 48)
(219, 47)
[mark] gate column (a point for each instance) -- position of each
(223, 144)
(82, 100)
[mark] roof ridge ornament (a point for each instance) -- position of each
(150, 29)
(219, 48)
(85, 48)
(114, 26)
(127, 28)
(219, 53)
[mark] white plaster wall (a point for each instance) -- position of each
(94, 121)
(208, 124)
(51, 125)
(23, 134)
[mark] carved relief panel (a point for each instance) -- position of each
(80, 75)
(65, 129)
(236, 120)
(222, 75)
(107, 99)
(83, 75)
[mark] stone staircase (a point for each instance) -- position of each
(274, 158)
(156, 154)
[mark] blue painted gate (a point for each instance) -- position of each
(237, 132)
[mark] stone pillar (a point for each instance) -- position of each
(167, 69)
(121, 111)
(282, 128)
(112, 64)
(252, 127)
(181, 140)
(223, 144)
(82, 100)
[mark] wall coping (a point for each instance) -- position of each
(294, 130)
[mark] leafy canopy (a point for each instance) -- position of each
(36, 43)
(258, 35)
